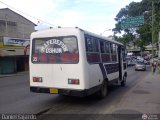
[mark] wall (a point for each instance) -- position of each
(14, 25)
(12, 58)
(7, 65)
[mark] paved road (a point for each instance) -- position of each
(141, 95)
(92, 104)
(16, 98)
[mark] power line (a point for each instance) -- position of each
(39, 20)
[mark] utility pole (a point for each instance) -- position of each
(6, 25)
(152, 28)
(159, 45)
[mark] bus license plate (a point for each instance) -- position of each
(53, 90)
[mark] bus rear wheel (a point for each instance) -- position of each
(104, 90)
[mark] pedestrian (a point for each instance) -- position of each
(154, 66)
(158, 65)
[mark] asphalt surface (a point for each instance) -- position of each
(15, 96)
(141, 95)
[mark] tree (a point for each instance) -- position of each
(144, 31)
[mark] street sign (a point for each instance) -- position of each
(132, 22)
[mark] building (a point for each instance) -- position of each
(15, 33)
(137, 50)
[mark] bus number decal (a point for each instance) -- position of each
(35, 59)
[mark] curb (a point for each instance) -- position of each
(10, 75)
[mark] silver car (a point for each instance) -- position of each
(140, 66)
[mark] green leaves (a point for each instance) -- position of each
(144, 32)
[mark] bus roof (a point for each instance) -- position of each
(68, 31)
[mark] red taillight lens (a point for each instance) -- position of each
(37, 79)
(74, 57)
(73, 81)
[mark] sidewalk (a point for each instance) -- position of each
(144, 97)
(14, 74)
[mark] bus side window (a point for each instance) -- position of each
(102, 47)
(107, 47)
(114, 52)
(96, 45)
(108, 53)
(111, 48)
(92, 49)
(89, 44)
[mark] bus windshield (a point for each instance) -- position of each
(55, 50)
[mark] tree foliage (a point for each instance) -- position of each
(143, 32)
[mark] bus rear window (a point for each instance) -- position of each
(55, 50)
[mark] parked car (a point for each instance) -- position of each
(133, 62)
(140, 66)
(130, 61)
(140, 58)
(147, 62)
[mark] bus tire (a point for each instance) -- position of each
(104, 90)
(123, 83)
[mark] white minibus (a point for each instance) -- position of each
(75, 62)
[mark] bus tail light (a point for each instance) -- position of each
(37, 79)
(73, 81)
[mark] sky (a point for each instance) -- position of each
(96, 16)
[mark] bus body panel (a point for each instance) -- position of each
(95, 76)
(113, 76)
(57, 75)
(110, 74)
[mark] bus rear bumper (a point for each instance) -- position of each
(76, 93)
